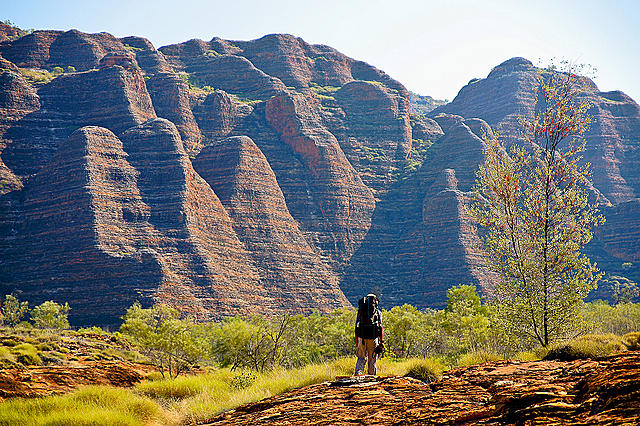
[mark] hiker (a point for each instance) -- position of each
(368, 334)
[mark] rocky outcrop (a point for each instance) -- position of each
(293, 273)
(206, 270)
(315, 174)
(76, 237)
(594, 392)
(44, 381)
(345, 203)
(421, 240)
(48, 49)
(170, 96)
(113, 97)
(17, 99)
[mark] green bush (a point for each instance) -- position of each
(51, 315)
(588, 346)
(7, 360)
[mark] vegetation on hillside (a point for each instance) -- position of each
(244, 359)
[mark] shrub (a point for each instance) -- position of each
(13, 310)
(173, 345)
(71, 68)
(588, 346)
(532, 355)
(7, 360)
(37, 77)
(51, 315)
(57, 70)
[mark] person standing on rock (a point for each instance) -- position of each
(368, 334)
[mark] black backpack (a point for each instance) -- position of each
(368, 322)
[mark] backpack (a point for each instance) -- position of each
(368, 322)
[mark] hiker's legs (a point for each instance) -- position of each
(361, 353)
(371, 356)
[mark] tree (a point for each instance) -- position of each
(173, 345)
(13, 310)
(466, 319)
(51, 315)
(535, 215)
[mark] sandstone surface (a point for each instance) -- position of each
(594, 392)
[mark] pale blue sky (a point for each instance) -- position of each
(432, 47)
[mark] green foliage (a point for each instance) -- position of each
(13, 310)
(288, 341)
(36, 77)
(599, 317)
(93, 405)
(71, 68)
(56, 71)
(195, 84)
(173, 345)
(51, 315)
(323, 90)
(132, 48)
(632, 341)
(536, 217)
(7, 360)
(623, 290)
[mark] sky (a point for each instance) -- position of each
(433, 47)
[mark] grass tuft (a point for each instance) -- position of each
(425, 369)
(588, 346)
(26, 354)
(92, 405)
(632, 340)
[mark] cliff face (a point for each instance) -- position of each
(231, 177)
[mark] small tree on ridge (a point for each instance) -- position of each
(536, 215)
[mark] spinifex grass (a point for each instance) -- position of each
(204, 396)
(188, 398)
(92, 405)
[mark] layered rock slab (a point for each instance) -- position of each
(594, 392)
(292, 271)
